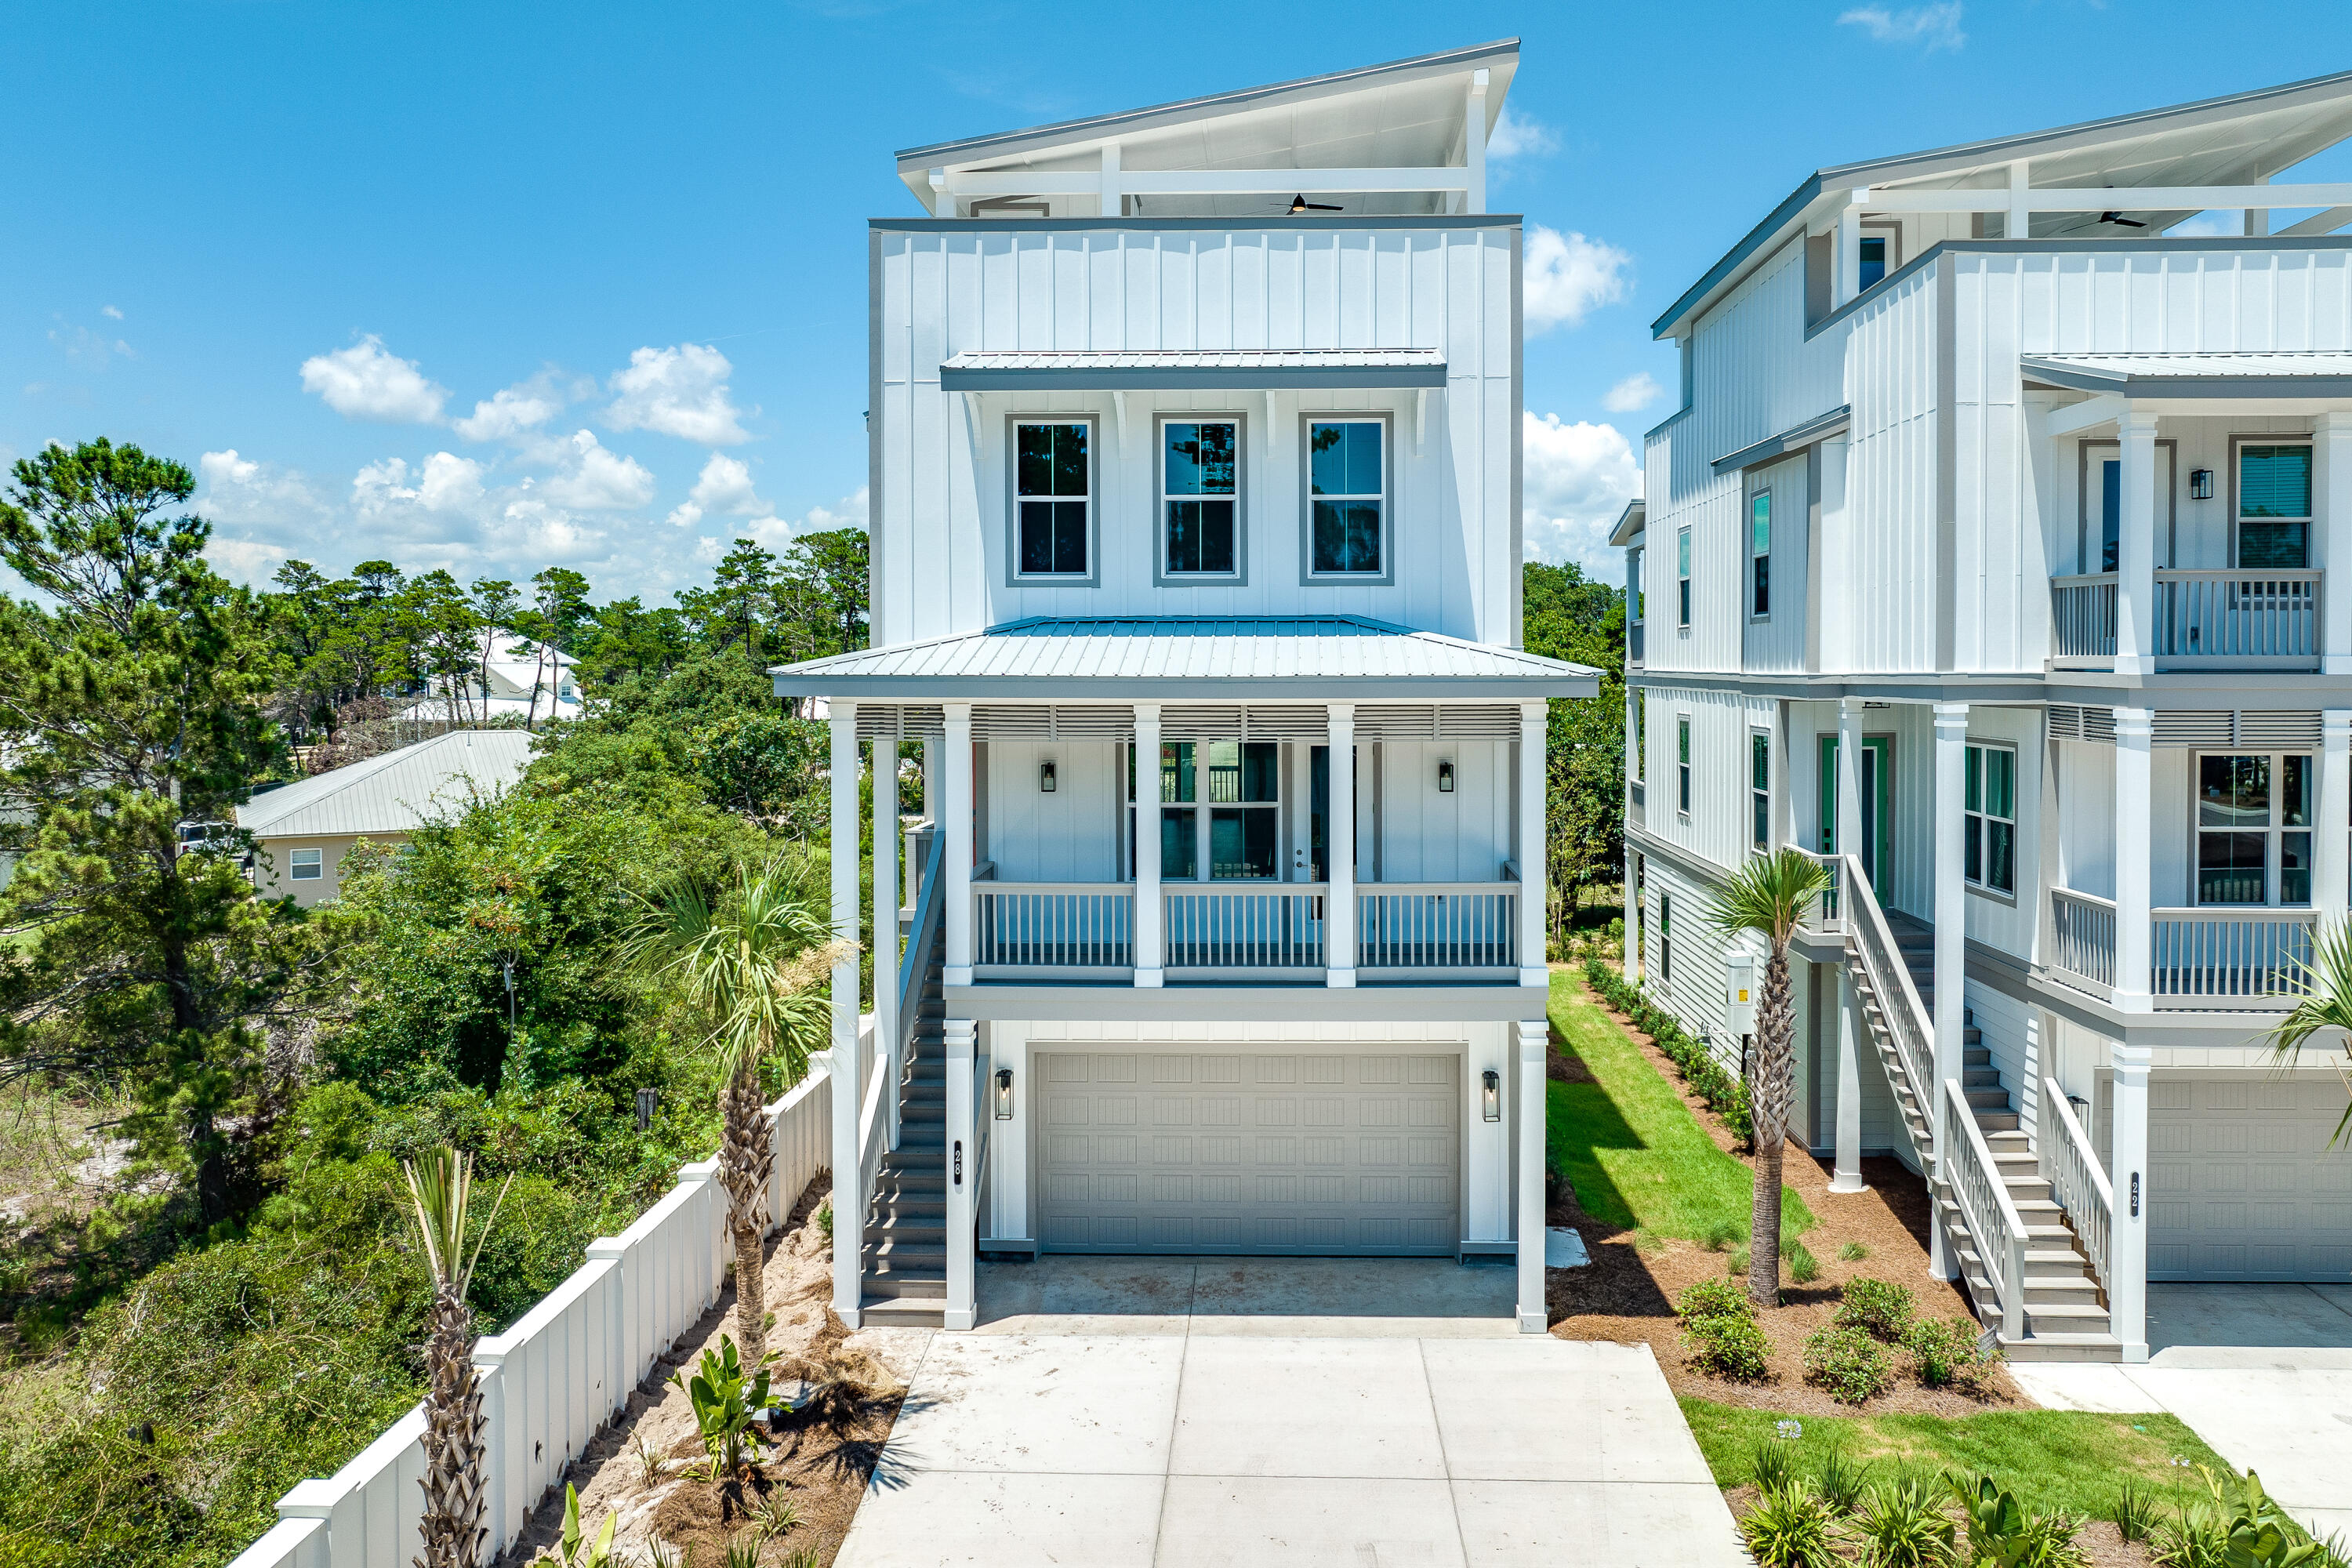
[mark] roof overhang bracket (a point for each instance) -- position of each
(2076, 418)
(1118, 406)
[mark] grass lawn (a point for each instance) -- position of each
(2051, 1458)
(1629, 1144)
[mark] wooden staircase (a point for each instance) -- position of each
(905, 1264)
(2066, 1310)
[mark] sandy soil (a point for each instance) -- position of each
(1627, 1295)
(648, 1463)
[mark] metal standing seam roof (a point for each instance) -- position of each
(1245, 368)
(1353, 652)
(2287, 372)
(398, 792)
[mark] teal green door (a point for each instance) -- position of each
(1877, 799)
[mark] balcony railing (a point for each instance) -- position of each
(1261, 928)
(1455, 925)
(2205, 958)
(2083, 937)
(2203, 620)
(1058, 925)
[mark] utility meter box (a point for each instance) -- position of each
(1739, 994)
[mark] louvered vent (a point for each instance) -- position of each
(2065, 721)
(2286, 729)
(2189, 729)
(887, 722)
(1044, 722)
(2099, 724)
(1197, 722)
(1478, 721)
(1396, 721)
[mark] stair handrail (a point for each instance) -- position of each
(2076, 1178)
(1987, 1211)
(1872, 942)
(929, 908)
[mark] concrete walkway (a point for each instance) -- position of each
(2263, 1372)
(1189, 1433)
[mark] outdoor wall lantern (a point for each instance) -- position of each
(2201, 484)
(1005, 1094)
(1490, 1099)
(1046, 776)
(1445, 775)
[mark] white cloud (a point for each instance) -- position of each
(84, 347)
(1566, 276)
(247, 561)
(678, 392)
(1633, 394)
(366, 381)
(1574, 479)
(110, 312)
(1934, 26)
(510, 411)
(246, 493)
(725, 486)
(2214, 223)
(449, 483)
(1515, 137)
(599, 479)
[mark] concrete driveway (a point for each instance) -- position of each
(2263, 1372)
(1161, 1434)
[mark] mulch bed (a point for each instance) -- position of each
(1627, 1295)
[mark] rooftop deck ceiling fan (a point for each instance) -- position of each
(1299, 206)
(2120, 221)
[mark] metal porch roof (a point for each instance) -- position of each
(1240, 369)
(396, 791)
(2262, 374)
(1293, 657)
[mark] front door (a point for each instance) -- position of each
(1877, 799)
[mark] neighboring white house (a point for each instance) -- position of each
(1194, 457)
(1988, 553)
(514, 677)
(302, 831)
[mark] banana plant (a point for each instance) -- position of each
(571, 1551)
(727, 1404)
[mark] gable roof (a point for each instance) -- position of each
(2236, 139)
(396, 791)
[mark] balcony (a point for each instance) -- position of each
(2207, 959)
(1257, 932)
(2201, 620)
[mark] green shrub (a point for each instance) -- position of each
(2135, 1513)
(1853, 1252)
(1849, 1364)
(1713, 1298)
(1945, 1353)
(1802, 1266)
(1723, 1094)
(2240, 1527)
(1840, 1479)
(1879, 1308)
(1727, 1346)
(727, 1399)
(1771, 1463)
(1903, 1525)
(1789, 1527)
(2004, 1534)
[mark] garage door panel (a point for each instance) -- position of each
(2242, 1184)
(1326, 1153)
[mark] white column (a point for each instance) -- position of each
(2020, 225)
(1849, 247)
(2331, 878)
(2136, 546)
(1533, 971)
(1111, 192)
(2331, 541)
(1473, 142)
(1951, 933)
(885, 923)
(963, 1177)
(848, 1193)
(2127, 1171)
(1150, 909)
(2135, 729)
(1845, 1175)
(932, 790)
(1532, 1035)
(1339, 835)
(1629, 962)
(955, 836)
(1849, 777)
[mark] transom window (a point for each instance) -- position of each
(1346, 483)
(1990, 833)
(1199, 470)
(1052, 483)
(2253, 828)
(1221, 807)
(2273, 503)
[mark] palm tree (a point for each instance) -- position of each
(2323, 994)
(1769, 896)
(753, 964)
(455, 1503)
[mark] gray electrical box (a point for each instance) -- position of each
(1739, 994)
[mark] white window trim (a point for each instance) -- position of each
(1684, 793)
(1760, 796)
(1683, 595)
(1013, 577)
(1764, 493)
(2310, 522)
(1201, 807)
(1307, 575)
(1164, 575)
(294, 866)
(1977, 884)
(2272, 834)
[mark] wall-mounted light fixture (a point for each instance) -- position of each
(2201, 484)
(1046, 776)
(1005, 1094)
(1490, 1098)
(1445, 775)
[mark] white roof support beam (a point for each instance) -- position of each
(1113, 192)
(2019, 224)
(2110, 198)
(938, 196)
(2327, 221)
(1474, 144)
(1848, 269)
(2076, 418)
(1206, 182)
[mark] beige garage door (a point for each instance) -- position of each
(2242, 1184)
(1194, 1152)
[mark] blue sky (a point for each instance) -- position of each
(497, 285)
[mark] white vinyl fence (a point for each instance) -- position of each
(560, 1372)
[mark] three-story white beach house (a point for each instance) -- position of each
(1194, 466)
(1991, 556)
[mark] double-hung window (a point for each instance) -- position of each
(1052, 499)
(1348, 499)
(1666, 939)
(1759, 554)
(2274, 504)
(1682, 766)
(1759, 787)
(1199, 499)
(306, 865)
(1990, 833)
(1682, 577)
(1220, 809)
(2254, 828)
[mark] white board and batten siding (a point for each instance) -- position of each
(939, 480)
(556, 1376)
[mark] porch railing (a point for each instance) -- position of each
(1261, 927)
(1058, 925)
(2242, 619)
(1824, 918)
(2223, 958)
(2083, 937)
(2083, 619)
(1437, 925)
(1993, 1224)
(1890, 978)
(2076, 1179)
